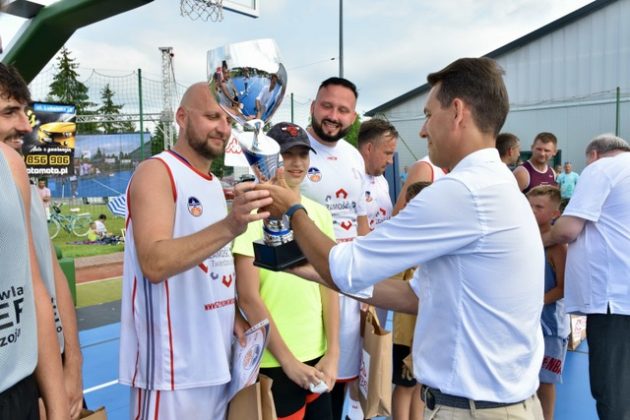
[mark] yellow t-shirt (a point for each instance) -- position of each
(294, 303)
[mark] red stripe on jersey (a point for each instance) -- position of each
(207, 176)
(133, 314)
(170, 334)
(203, 267)
(128, 205)
(170, 175)
(156, 415)
(139, 404)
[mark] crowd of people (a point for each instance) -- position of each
(487, 276)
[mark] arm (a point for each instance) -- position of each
(522, 177)
(557, 258)
(48, 372)
(565, 230)
(152, 207)
(391, 293)
(328, 364)
(363, 226)
(247, 286)
(420, 171)
(73, 359)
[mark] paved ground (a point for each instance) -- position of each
(98, 267)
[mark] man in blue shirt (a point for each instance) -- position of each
(567, 181)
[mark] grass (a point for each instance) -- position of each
(114, 225)
(97, 292)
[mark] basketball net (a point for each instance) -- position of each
(202, 9)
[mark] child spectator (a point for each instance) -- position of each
(92, 235)
(406, 402)
(101, 229)
(545, 202)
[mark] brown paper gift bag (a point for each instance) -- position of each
(375, 374)
(254, 402)
(98, 414)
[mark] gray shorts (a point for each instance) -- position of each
(553, 362)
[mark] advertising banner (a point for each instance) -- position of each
(49, 149)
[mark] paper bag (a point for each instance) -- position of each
(254, 402)
(98, 414)
(375, 374)
(578, 331)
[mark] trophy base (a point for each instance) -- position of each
(277, 258)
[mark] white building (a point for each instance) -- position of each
(561, 78)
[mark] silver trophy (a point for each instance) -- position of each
(249, 81)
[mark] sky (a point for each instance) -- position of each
(389, 46)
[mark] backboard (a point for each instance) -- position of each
(244, 7)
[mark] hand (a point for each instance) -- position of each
(240, 326)
(246, 199)
(302, 374)
(74, 389)
(328, 366)
(283, 196)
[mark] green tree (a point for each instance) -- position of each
(353, 135)
(67, 88)
(158, 140)
(109, 108)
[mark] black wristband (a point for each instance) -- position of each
(291, 211)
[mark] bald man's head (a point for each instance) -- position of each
(204, 126)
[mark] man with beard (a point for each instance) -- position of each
(335, 179)
(178, 309)
(536, 171)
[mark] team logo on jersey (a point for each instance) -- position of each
(346, 224)
(227, 280)
(368, 197)
(194, 206)
(313, 174)
(341, 193)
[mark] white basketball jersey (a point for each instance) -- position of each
(335, 180)
(177, 334)
(377, 202)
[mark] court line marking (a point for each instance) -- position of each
(101, 386)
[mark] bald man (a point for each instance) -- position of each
(178, 304)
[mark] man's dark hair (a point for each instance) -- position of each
(102, 217)
(479, 83)
(339, 81)
(12, 86)
(546, 137)
(372, 130)
(506, 141)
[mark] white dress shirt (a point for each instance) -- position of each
(480, 281)
(598, 261)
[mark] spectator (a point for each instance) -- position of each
(596, 224)
(567, 182)
(536, 170)
(509, 147)
(44, 194)
(545, 202)
(101, 229)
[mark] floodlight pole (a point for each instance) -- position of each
(340, 38)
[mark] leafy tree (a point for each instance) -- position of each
(158, 139)
(110, 108)
(353, 135)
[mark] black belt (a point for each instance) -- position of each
(433, 397)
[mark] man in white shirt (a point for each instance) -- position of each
(596, 223)
(478, 343)
(335, 179)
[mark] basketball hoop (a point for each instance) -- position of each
(202, 9)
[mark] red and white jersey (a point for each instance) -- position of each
(177, 334)
(376, 200)
(335, 180)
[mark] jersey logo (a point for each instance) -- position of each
(313, 174)
(194, 206)
(227, 280)
(214, 276)
(341, 193)
(346, 224)
(383, 211)
(368, 197)
(331, 158)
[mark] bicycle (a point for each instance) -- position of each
(78, 224)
